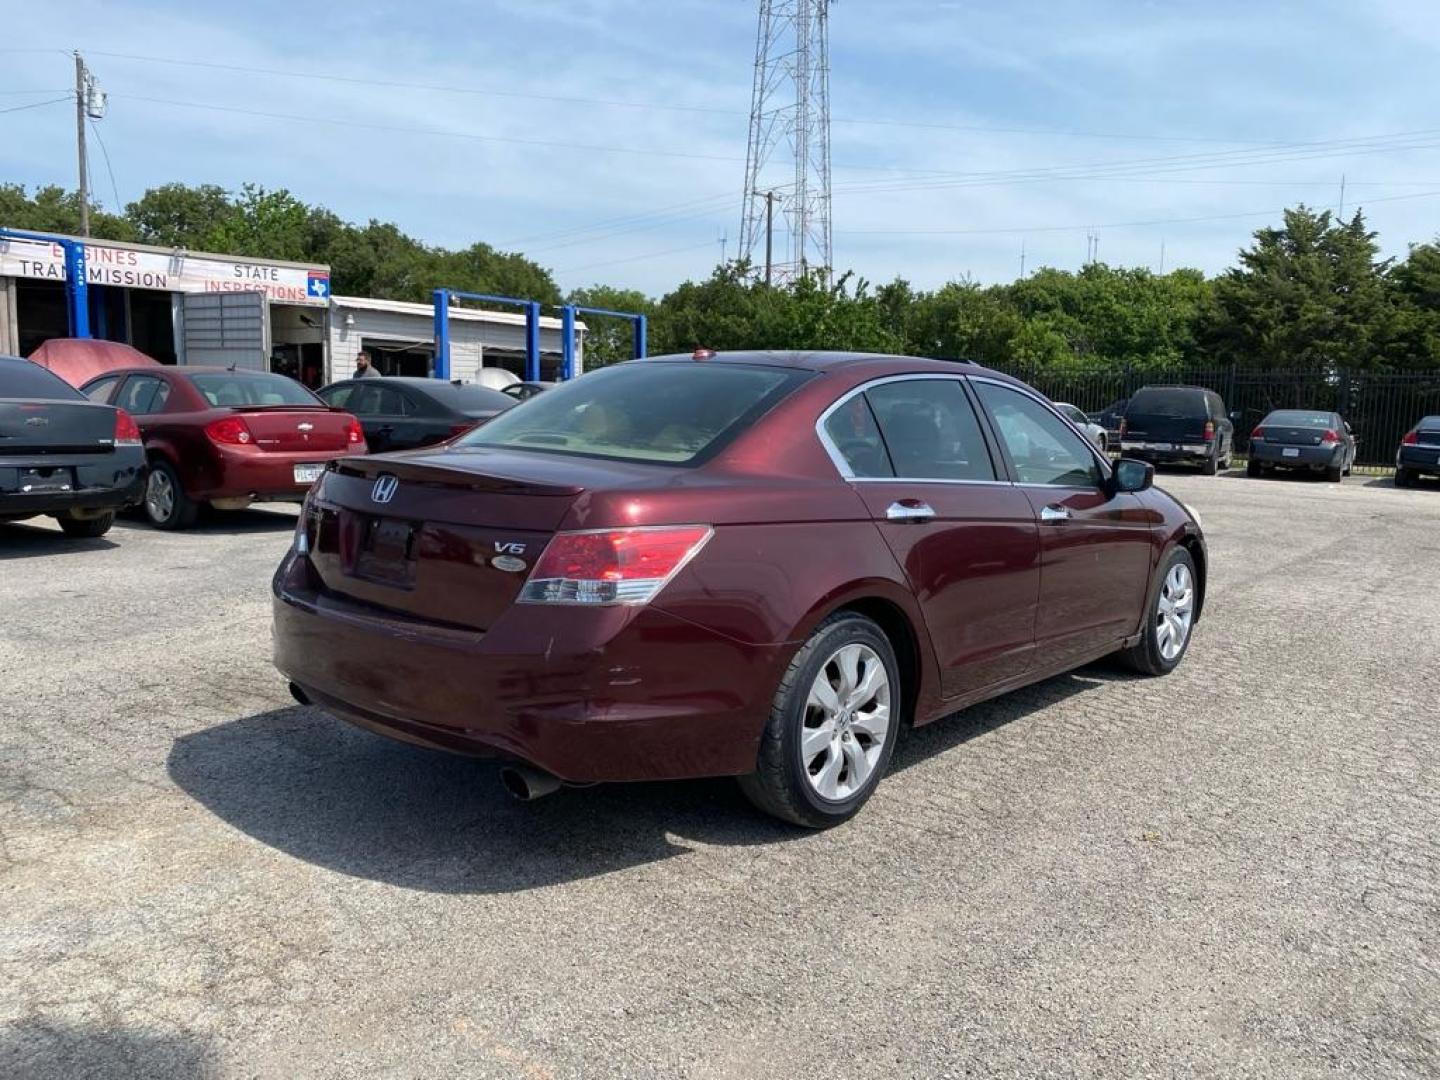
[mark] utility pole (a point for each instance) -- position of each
(80, 96)
(1341, 214)
(1022, 257)
(769, 197)
(724, 240)
(1162, 258)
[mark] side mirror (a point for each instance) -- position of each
(1131, 475)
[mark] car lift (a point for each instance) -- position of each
(444, 297)
(77, 291)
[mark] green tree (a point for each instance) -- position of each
(55, 210)
(174, 215)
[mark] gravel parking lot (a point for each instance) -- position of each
(1234, 871)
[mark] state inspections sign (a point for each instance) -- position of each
(174, 272)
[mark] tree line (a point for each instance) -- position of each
(1309, 293)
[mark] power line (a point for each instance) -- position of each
(114, 187)
(37, 104)
(336, 122)
(634, 258)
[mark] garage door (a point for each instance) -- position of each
(224, 329)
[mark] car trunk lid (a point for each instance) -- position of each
(294, 429)
(448, 536)
(1162, 427)
(1288, 435)
(55, 427)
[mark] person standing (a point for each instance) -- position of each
(363, 370)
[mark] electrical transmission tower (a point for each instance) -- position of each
(788, 157)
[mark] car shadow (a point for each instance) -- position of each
(320, 790)
(226, 522)
(46, 1050)
(1418, 483)
(23, 541)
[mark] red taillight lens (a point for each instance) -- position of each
(1329, 437)
(229, 431)
(1411, 438)
(1209, 430)
(456, 430)
(127, 432)
(614, 566)
(354, 434)
(1258, 435)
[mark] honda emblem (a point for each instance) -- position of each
(384, 489)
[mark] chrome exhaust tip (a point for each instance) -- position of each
(527, 784)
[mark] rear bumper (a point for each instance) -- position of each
(1169, 453)
(262, 475)
(1305, 457)
(588, 695)
(1421, 459)
(101, 482)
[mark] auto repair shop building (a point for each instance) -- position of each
(184, 307)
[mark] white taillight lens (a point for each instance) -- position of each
(612, 566)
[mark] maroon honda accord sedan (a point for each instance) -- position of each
(750, 564)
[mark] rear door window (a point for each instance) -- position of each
(100, 389)
(143, 394)
(930, 430)
(856, 437)
(1042, 447)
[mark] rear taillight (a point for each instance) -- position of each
(456, 430)
(612, 566)
(127, 432)
(229, 431)
(1411, 438)
(1209, 430)
(1329, 437)
(354, 434)
(1258, 435)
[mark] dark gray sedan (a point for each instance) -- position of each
(1300, 439)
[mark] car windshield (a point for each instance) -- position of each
(675, 413)
(23, 379)
(250, 388)
(1168, 401)
(1294, 418)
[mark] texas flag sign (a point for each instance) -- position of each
(318, 286)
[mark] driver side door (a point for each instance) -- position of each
(1096, 549)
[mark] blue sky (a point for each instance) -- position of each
(962, 129)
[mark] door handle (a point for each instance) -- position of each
(909, 510)
(1053, 515)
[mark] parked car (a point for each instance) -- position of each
(401, 414)
(1109, 418)
(1302, 439)
(749, 564)
(1093, 431)
(62, 455)
(1178, 425)
(1419, 452)
(226, 438)
(520, 391)
(78, 360)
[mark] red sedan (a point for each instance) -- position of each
(226, 437)
(754, 564)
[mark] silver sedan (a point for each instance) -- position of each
(1093, 431)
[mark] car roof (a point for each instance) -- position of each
(1173, 386)
(823, 361)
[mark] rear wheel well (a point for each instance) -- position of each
(897, 627)
(1197, 555)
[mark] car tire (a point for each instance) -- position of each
(1334, 472)
(87, 527)
(1402, 477)
(824, 790)
(1252, 468)
(1211, 466)
(166, 504)
(1152, 654)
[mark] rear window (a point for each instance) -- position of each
(22, 379)
(236, 389)
(677, 414)
(1168, 401)
(1294, 418)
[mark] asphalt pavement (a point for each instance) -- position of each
(1230, 872)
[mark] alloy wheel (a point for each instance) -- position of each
(847, 717)
(159, 496)
(1175, 611)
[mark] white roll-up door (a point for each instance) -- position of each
(227, 328)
